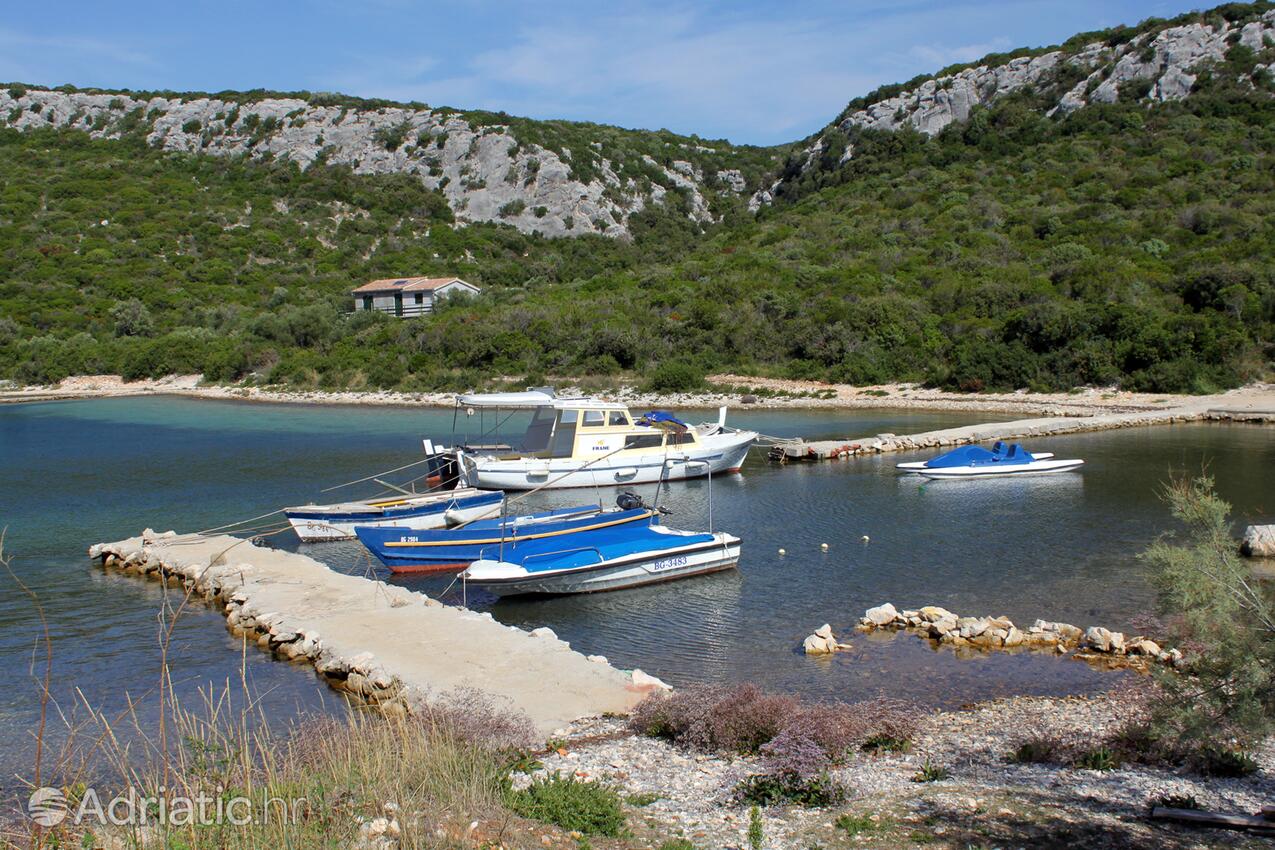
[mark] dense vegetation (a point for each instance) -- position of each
(1121, 244)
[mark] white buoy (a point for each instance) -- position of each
(823, 546)
(782, 552)
(864, 538)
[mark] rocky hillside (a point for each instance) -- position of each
(555, 178)
(1156, 62)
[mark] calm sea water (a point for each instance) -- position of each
(1058, 547)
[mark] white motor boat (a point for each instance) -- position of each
(978, 462)
(609, 559)
(588, 442)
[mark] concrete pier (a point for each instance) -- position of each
(1049, 426)
(382, 644)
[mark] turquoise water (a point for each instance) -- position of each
(1059, 547)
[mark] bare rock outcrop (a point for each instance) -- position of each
(485, 172)
(1168, 60)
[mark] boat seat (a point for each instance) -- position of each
(1017, 454)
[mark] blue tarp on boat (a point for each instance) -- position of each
(979, 456)
(657, 417)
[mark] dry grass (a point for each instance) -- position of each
(318, 783)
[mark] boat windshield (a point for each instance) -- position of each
(564, 436)
(536, 438)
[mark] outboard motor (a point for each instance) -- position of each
(629, 501)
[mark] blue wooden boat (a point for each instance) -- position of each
(607, 559)
(411, 510)
(409, 551)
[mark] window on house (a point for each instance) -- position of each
(420, 298)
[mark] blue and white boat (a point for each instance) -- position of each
(410, 551)
(609, 559)
(978, 462)
(997, 448)
(415, 511)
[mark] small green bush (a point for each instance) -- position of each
(931, 772)
(859, 824)
(588, 807)
(641, 800)
(675, 376)
(773, 789)
(1038, 749)
(1098, 758)
(1221, 761)
(676, 844)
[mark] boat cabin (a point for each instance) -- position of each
(581, 427)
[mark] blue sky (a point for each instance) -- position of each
(752, 72)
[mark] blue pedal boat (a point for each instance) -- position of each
(978, 462)
(408, 551)
(607, 559)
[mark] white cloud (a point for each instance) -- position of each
(754, 79)
(942, 55)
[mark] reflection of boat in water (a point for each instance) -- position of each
(417, 511)
(612, 559)
(587, 442)
(978, 462)
(407, 551)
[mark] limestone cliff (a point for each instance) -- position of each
(1164, 61)
(484, 170)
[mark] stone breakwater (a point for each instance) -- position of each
(1094, 644)
(384, 646)
(1049, 426)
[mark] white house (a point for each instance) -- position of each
(409, 296)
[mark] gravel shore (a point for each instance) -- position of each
(986, 801)
(737, 391)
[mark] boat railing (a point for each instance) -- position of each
(593, 549)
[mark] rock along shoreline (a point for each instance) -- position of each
(1095, 644)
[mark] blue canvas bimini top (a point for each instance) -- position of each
(979, 456)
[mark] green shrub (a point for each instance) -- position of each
(675, 376)
(859, 824)
(767, 789)
(1098, 758)
(1038, 749)
(588, 807)
(513, 208)
(931, 772)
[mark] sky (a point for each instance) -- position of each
(748, 71)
